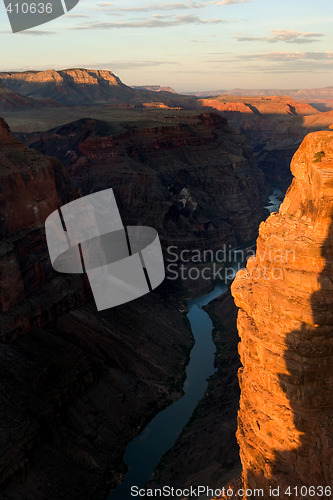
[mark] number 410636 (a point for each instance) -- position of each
(309, 491)
(29, 8)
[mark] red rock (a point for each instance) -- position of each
(286, 326)
(32, 187)
(220, 105)
(156, 105)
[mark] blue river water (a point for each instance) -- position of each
(145, 451)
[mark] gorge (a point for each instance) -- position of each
(77, 386)
(160, 434)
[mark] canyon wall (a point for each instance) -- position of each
(285, 323)
(193, 177)
(75, 385)
(274, 126)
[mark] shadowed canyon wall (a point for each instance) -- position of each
(75, 385)
(274, 126)
(285, 322)
(194, 177)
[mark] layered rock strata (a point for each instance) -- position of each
(80, 86)
(75, 385)
(285, 323)
(193, 177)
(274, 126)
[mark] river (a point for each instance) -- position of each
(275, 200)
(145, 451)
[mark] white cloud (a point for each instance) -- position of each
(229, 2)
(111, 7)
(153, 22)
(154, 7)
(278, 62)
(288, 36)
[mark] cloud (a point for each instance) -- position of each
(288, 36)
(145, 8)
(154, 7)
(130, 64)
(279, 56)
(76, 16)
(279, 62)
(35, 33)
(290, 56)
(153, 22)
(230, 2)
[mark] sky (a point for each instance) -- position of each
(189, 45)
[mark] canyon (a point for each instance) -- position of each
(76, 386)
(193, 177)
(274, 126)
(273, 122)
(206, 452)
(285, 324)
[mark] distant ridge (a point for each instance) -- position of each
(80, 87)
(155, 88)
(321, 97)
(326, 92)
(12, 101)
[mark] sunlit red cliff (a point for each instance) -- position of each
(285, 323)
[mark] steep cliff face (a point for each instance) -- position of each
(285, 136)
(75, 385)
(32, 186)
(64, 86)
(286, 327)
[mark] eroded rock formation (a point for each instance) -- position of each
(75, 385)
(193, 177)
(285, 323)
(274, 126)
